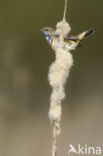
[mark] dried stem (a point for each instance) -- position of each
(54, 140)
(65, 7)
(58, 73)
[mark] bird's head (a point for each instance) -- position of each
(47, 32)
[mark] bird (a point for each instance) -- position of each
(70, 42)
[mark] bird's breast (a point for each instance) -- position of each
(51, 41)
(54, 43)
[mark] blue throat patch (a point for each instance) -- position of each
(47, 36)
(45, 33)
(48, 39)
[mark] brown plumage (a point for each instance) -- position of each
(79, 37)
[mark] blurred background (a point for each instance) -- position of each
(25, 58)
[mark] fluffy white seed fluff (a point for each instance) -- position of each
(58, 73)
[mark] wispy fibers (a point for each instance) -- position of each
(58, 73)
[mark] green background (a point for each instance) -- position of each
(25, 58)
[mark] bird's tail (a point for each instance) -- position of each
(85, 34)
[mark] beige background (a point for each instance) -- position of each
(24, 90)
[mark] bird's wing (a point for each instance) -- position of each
(70, 39)
(85, 34)
(79, 36)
